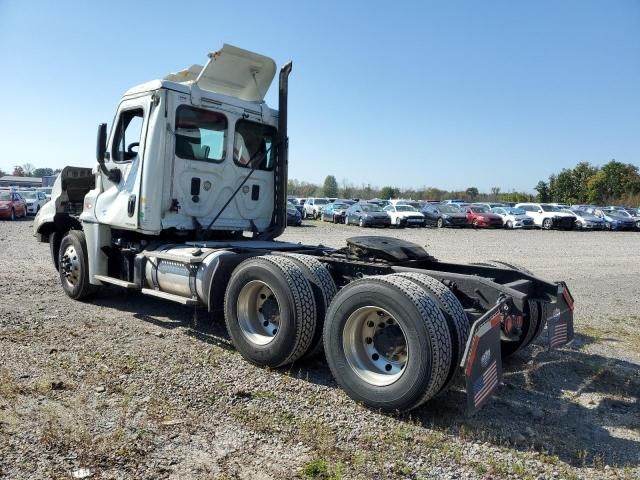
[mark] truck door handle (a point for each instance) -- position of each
(131, 206)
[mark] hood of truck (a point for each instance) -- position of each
(231, 71)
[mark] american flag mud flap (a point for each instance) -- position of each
(560, 322)
(482, 363)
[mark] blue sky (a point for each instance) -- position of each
(448, 94)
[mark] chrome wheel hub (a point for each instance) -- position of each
(70, 265)
(375, 346)
(258, 313)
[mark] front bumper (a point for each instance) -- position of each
(412, 222)
(376, 222)
(454, 222)
(32, 208)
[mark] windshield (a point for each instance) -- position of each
(321, 201)
(5, 196)
(617, 213)
(479, 209)
(515, 211)
(448, 209)
(550, 208)
(371, 208)
(340, 206)
(405, 208)
(28, 194)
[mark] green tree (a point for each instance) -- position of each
(582, 172)
(471, 193)
(564, 187)
(495, 192)
(42, 172)
(389, 192)
(330, 187)
(543, 191)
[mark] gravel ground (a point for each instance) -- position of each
(127, 386)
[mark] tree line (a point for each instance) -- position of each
(345, 189)
(613, 183)
(29, 170)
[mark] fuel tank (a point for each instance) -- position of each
(183, 270)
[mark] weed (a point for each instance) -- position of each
(319, 469)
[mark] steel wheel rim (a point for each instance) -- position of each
(377, 356)
(258, 313)
(70, 265)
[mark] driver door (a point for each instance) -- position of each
(117, 205)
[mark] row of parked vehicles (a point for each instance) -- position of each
(408, 213)
(16, 204)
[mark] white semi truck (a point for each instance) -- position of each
(186, 203)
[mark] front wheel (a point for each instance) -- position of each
(546, 224)
(73, 265)
(361, 222)
(440, 223)
(509, 224)
(13, 214)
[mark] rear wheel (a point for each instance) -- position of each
(546, 224)
(509, 224)
(454, 313)
(387, 343)
(361, 222)
(270, 311)
(13, 215)
(440, 223)
(324, 289)
(73, 265)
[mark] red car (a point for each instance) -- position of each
(12, 205)
(480, 216)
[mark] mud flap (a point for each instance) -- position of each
(482, 360)
(560, 323)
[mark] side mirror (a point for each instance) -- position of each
(540, 211)
(101, 143)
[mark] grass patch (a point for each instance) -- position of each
(320, 469)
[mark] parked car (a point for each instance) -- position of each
(35, 200)
(615, 219)
(294, 201)
(12, 205)
(313, 207)
(294, 217)
(513, 217)
(481, 216)
(491, 205)
(404, 216)
(587, 221)
(548, 216)
(47, 191)
(443, 215)
(334, 212)
(367, 215)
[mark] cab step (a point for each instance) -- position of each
(170, 296)
(117, 281)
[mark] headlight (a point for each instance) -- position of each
(445, 216)
(4, 207)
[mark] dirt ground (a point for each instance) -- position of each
(127, 386)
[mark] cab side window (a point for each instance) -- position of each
(126, 140)
(200, 134)
(253, 145)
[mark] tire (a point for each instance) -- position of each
(509, 224)
(346, 220)
(454, 313)
(361, 223)
(54, 247)
(324, 289)
(418, 342)
(440, 223)
(73, 265)
(335, 219)
(546, 224)
(13, 215)
(281, 285)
